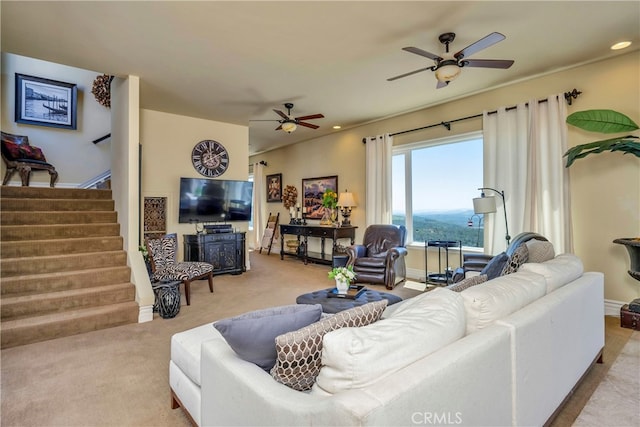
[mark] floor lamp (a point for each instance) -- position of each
(484, 204)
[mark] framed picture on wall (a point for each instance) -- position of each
(312, 191)
(274, 187)
(45, 102)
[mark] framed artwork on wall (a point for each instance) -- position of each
(312, 191)
(45, 102)
(274, 187)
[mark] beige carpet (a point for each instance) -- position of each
(119, 376)
(619, 392)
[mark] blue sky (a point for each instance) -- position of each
(445, 177)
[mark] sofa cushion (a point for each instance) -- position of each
(540, 250)
(519, 257)
(500, 297)
(252, 335)
(299, 352)
(354, 358)
(557, 271)
(494, 267)
(468, 282)
(185, 349)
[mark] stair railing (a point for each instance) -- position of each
(97, 180)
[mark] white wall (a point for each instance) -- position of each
(167, 141)
(605, 188)
(76, 158)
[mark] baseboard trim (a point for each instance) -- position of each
(612, 307)
(145, 314)
(415, 274)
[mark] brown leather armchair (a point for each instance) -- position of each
(380, 257)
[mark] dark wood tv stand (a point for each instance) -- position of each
(225, 251)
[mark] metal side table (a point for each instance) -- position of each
(444, 276)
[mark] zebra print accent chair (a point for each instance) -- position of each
(164, 267)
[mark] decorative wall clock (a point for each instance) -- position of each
(210, 158)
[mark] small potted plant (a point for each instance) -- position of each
(343, 277)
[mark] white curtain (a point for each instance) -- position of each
(378, 179)
(523, 149)
(259, 220)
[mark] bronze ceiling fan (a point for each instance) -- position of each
(447, 67)
(289, 124)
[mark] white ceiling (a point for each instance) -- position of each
(237, 61)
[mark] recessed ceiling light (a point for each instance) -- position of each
(620, 45)
(337, 127)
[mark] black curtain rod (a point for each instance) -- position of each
(568, 96)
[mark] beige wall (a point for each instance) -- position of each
(605, 188)
(167, 141)
(73, 154)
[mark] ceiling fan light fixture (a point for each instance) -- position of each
(289, 127)
(448, 71)
(621, 45)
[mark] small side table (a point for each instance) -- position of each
(444, 276)
(167, 302)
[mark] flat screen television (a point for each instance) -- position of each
(214, 200)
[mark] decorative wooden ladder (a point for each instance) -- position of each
(270, 232)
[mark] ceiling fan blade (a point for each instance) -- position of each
(281, 114)
(487, 63)
(279, 127)
(440, 84)
(309, 125)
(408, 74)
(421, 52)
(483, 43)
(312, 116)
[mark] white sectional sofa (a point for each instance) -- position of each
(504, 352)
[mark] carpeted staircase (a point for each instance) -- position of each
(62, 268)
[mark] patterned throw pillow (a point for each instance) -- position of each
(300, 352)
(11, 150)
(32, 153)
(468, 282)
(540, 250)
(519, 257)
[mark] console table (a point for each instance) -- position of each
(225, 251)
(303, 232)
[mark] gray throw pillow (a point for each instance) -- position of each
(253, 335)
(494, 268)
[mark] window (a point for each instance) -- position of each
(433, 185)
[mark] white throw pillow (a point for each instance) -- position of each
(558, 271)
(354, 358)
(497, 298)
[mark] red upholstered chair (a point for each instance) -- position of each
(19, 156)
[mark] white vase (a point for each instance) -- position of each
(342, 287)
